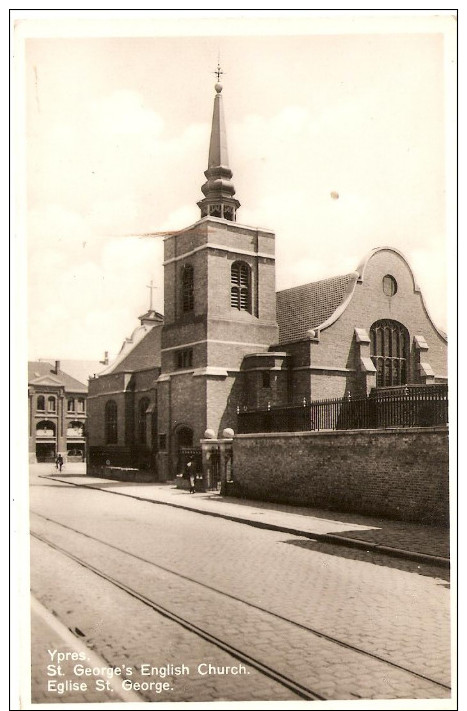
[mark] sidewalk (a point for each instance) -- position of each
(427, 544)
(48, 633)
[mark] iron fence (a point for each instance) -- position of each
(409, 406)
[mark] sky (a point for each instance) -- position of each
(338, 134)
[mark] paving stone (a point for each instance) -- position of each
(399, 614)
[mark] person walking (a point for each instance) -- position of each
(191, 475)
(59, 462)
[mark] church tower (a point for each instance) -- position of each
(219, 305)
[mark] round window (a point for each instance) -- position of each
(389, 285)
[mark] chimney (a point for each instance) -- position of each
(57, 367)
(106, 358)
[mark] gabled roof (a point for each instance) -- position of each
(313, 307)
(80, 370)
(41, 372)
(142, 350)
(308, 306)
(47, 380)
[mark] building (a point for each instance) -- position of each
(56, 413)
(122, 401)
(227, 341)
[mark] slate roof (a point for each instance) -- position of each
(306, 307)
(40, 369)
(142, 350)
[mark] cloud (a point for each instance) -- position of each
(118, 169)
(123, 112)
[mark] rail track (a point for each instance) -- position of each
(300, 690)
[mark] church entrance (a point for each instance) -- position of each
(183, 448)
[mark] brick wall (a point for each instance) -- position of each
(222, 398)
(400, 474)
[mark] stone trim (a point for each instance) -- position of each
(322, 368)
(426, 370)
(222, 248)
(212, 340)
(342, 433)
(420, 343)
(211, 370)
(167, 235)
(106, 393)
(367, 365)
(361, 335)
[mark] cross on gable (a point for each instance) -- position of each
(152, 288)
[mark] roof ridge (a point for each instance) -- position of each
(318, 281)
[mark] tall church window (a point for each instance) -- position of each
(51, 404)
(143, 406)
(389, 352)
(188, 288)
(111, 422)
(41, 403)
(240, 297)
(81, 405)
(71, 405)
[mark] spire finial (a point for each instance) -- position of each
(218, 190)
(218, 71)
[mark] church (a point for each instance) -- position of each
(228, 342)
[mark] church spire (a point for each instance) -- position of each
(218, 190)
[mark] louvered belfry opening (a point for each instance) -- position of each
(240, 286)
(188, 297)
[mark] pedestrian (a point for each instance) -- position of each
(190, 467)
(59, 462)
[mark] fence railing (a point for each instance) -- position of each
(411, 406)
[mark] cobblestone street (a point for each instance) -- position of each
(341, 624)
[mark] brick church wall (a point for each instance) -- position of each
(369, 304)
(400, 474)
(333, 358)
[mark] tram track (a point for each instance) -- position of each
(222, 644)
(277, 676)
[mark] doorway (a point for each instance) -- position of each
(45, 452)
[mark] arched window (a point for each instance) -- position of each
(45, 428)
(71, 405)
(240, 296)
(81, 404)
(111, 422)
(143, 406)
(75, 428)
(184, 437)
(389, 285)
(51, 404)
(41, 403)
(389, 352)
(188, 299)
